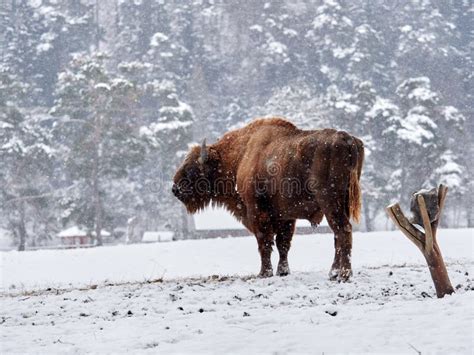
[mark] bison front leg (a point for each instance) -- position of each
(341, 269)
(265, 242)
(283, 242)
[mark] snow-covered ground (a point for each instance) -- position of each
(202, 296)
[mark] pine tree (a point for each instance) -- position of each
(425, 129)
(382, 170)
(40, 40)
(170, 134)
(96, 123)
(299, 103)
(26, 158)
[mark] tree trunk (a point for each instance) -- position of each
(97, 26)
(184, 224)
(187, 227)
(368, 218)
(191, 225)
(470, 215)
(96, 181)
(98, 218)
(438, 272)
(402, 182)
(131, 224)
(22, 228)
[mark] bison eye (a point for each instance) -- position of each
(193, 173)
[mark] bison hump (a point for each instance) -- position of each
(272, 121)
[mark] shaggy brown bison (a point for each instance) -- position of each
(270, 173)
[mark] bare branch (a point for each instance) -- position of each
(28, 198)
(417, 237)
(426, 224)
(36, 197)
(442, 191)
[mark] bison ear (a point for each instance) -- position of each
(204, 152)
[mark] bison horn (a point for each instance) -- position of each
(204, 153)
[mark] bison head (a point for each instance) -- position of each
(193, 182)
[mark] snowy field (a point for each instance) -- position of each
(202, 296)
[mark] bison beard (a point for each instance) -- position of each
(270, 173)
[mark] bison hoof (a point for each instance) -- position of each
(265, 273)
(283, 270)
(341, 275)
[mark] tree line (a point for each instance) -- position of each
(100, 100)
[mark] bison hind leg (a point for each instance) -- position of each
(341, 269)
(283, 269)
(285, 230)
(340, 274)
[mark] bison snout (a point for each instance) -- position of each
(175, 190)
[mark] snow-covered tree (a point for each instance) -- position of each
(298, 103)
(273, 36)
(40, 39)
(424, 130)
(170, 134)
(358, 66)
(25, 161)
(97, 125)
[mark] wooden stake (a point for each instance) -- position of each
(426, 242)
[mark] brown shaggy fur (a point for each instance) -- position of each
(270, 173)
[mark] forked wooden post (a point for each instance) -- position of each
(426, 241)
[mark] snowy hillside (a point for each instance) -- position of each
(202, 296)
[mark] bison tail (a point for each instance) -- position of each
(355, 195)
(355, 204)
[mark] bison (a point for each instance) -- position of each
(270, 173)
